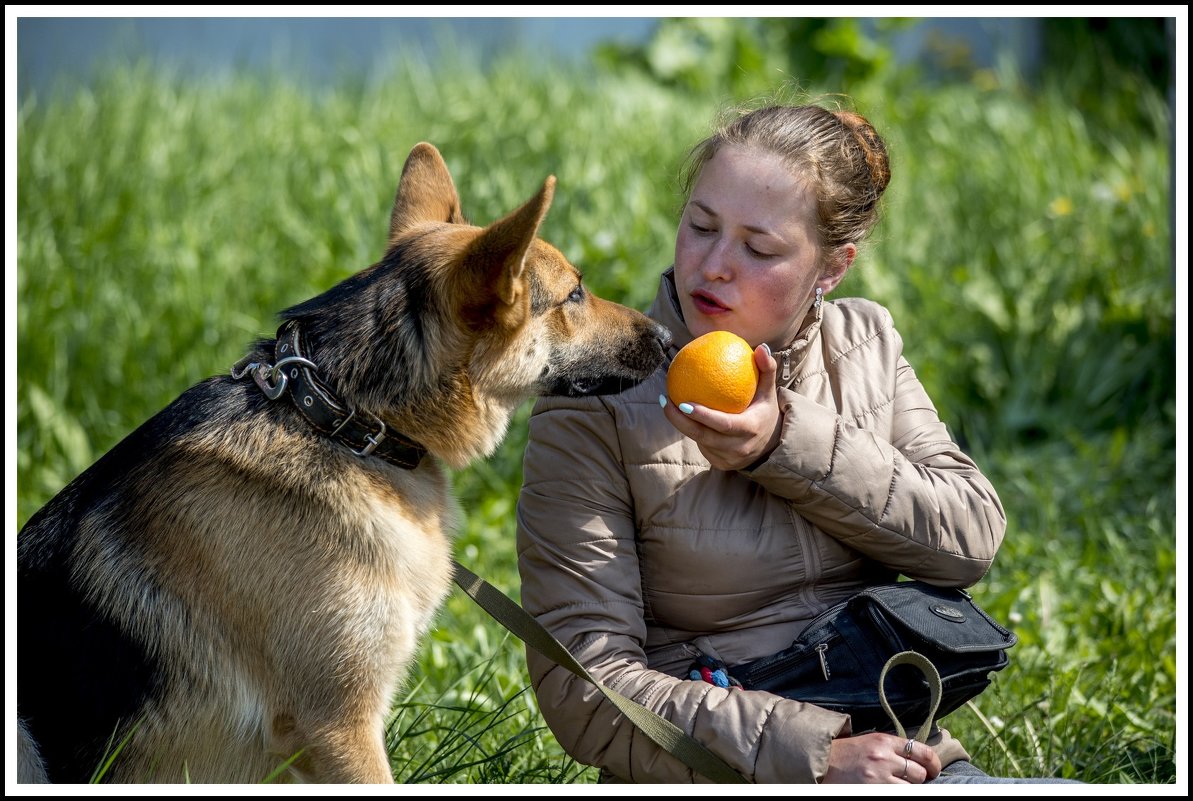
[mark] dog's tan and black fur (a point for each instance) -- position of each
(230, 586)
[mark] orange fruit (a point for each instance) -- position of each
(716, 370)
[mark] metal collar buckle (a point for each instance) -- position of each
(374, 441)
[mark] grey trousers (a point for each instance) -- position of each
(962, 772)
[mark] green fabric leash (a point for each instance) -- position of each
(929, 670)
(662, 731)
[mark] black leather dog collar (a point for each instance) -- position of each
(363, 433)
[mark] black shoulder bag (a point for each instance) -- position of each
(840, 661)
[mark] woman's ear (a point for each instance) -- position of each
(835, 267)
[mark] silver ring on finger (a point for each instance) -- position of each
(907, 748)
(906, 765)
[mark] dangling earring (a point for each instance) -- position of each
(819, 299)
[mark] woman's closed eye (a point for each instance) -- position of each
(758, 254)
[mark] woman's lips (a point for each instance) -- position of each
(708, 304)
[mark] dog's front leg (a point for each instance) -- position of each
(333, 752)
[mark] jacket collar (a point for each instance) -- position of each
(667, 311)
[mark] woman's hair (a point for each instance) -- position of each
(839, 153)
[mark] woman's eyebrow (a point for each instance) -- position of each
(755, 229)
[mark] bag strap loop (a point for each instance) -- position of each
(934, 687)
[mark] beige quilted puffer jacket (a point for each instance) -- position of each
(635, 553)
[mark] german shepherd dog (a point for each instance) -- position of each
(242, 582)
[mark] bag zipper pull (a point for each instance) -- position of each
(821, 650)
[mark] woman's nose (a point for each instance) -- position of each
(718, 262)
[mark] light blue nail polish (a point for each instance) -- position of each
(768, 353)
(686, 408)
(662, 401)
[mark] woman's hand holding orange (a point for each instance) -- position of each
(734, 441)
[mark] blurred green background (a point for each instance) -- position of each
(1027, 253)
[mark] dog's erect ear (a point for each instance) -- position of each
(425, 192)
(494, 263)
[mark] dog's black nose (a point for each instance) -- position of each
(663, 335)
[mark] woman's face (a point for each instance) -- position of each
(747, 255)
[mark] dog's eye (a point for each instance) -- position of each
(577, 295)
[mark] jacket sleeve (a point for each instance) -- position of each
(580, 578)
(906, 496)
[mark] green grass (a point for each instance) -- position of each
(1025, 254)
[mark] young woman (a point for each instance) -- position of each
(649, 536)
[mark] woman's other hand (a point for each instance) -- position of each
(880, 759)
